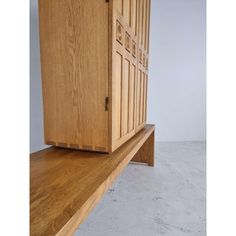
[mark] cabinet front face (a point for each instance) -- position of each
(143, 50)
(130, 24)
(74, 57)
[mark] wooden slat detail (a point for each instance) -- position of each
(125, 94)
(127, 11)
(144, 22)
(142, 45)
(140, 56)
(141, 99)
(116, 97)
(148, 25)
(144, 96)
(145, 99)
(134, 16)
(131, 97)
(119, 5)
(138, 97)
(140, 21)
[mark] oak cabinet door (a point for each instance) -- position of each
(129, 68)
(124, 70)
(143, 51)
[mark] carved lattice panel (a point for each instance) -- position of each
(130, 53)
(143, 48)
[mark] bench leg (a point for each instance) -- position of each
(146, 152)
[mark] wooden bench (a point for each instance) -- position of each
(65, 185)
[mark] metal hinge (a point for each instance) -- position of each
(106, 103)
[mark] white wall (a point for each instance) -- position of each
(36, 111)
(176, 102)
(176, 96)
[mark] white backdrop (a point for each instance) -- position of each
(177, 86)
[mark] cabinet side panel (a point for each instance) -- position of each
(74, 56)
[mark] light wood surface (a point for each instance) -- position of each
(65, 185)
(129, 83)
(146, 153)
(74, 57)
(143, 48)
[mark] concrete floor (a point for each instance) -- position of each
(168, 199)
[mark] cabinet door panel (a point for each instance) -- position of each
(119, 5)
(141, 99)
(125, 43)
(145, 99)
(138, 97)
(116, 97)
(125, 97)
(142, 47)
(132, 97)
(127, 11)
(134, 16)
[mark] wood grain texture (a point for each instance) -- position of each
(119, 5)
(127, 47)
(146, 152)
(65, 185)
(86, 58)
(74, 57)
(134, 16)
(132, 97)
(125, 97)
(127, 11)
(143, 49)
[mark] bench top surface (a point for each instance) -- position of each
(66, 184)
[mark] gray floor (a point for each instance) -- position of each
(168, 199)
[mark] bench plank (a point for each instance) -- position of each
(65, 184)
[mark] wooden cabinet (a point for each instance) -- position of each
(94, 59)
